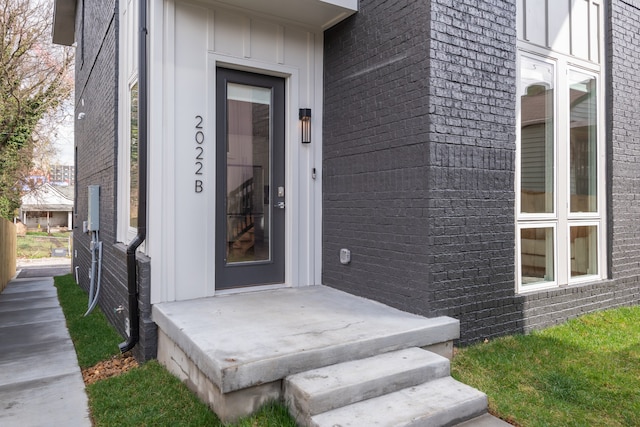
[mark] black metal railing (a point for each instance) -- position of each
(240, 210)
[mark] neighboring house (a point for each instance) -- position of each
(477, 159)
(48, 206)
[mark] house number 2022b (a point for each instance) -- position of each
(199, 138)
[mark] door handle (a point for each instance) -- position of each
(279, 205)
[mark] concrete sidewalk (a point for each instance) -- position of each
(40, 380)
(43, 267)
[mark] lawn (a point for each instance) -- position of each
(147, 395)
(585, 372)
(40, 244)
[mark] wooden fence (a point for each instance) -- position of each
(8, 251)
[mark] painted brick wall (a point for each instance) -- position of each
(96, 164)
(472, 133)
(419, 171)
(376, 152)
(624, 90)
(419, 159)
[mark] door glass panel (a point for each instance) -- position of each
(584, 250)
(584, 130)
(536, 255)
(248, 168)
(536, 136)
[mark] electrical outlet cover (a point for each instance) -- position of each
(345, 256)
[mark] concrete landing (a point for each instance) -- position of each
(227, 343)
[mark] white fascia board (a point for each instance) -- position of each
(318, 14)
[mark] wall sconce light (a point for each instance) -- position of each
(305, 122)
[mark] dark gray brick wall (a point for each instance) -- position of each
(419, 159)
(96, 164)
(419, 164)
(624, 117)
(376, 152)
(472, 165)
(548, 308)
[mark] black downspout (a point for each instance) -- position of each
(132, 271)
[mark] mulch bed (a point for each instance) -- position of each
(109, 368)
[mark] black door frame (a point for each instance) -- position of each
(258, 272)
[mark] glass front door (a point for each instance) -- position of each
(250, 192)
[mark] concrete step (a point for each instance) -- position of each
(485, 420)
(321, 390)
(440, 402)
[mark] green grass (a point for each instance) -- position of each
(93, 337)
(582, 373)
(61, 234)
(39, 244)
(271, 415)
(144, 396)
(151, 396)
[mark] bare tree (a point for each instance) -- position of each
(46, 135)
(35, 77)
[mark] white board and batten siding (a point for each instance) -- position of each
(562, 26)
(189, 40)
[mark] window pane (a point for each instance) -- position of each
(536, 255)
(583, 142)
(584, 250)
(536, 136)
(248, 173)
(133, 158)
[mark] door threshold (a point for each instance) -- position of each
(246, 289)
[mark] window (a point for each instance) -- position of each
(560, 180)
(537, 136)
(133, 156)
(128, 172)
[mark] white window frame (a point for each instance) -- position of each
(129, 77)
(562, 217)
(542, 285)
(588, 277)
(541, 216)
(126, 147)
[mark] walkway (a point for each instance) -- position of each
(40, 381)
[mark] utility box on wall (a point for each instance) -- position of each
(93, 215)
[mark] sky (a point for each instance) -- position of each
(64, 143)
(63, 139)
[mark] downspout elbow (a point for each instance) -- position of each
(132, 288)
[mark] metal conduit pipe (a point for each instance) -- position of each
(132, 271)
(96, 272)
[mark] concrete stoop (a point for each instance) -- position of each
(333, 356)
(410, 387)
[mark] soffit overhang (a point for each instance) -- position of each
(318, 14)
